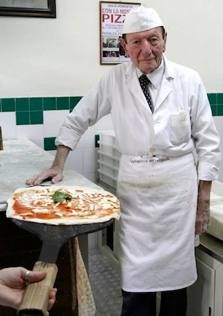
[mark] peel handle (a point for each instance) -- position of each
(36, 296)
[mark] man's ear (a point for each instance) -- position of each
(124, 44)
(165, 38)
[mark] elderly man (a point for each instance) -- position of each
(170, 155)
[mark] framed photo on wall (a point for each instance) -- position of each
(28, 8)
(112, 16)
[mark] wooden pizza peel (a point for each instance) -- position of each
(35, 300)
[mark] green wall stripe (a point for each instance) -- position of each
(36, 104)
(49, 104)
(22, 104)
(63, 103)
(73, 102)
(30, 110)
(220, 98)
(8, 105)
(212, 97)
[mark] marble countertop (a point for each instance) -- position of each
(21, 159)
(212, 246)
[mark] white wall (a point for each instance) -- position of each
(195, 36)
(44, 57)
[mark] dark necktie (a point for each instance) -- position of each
(144, 83)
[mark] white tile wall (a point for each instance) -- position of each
(52, 122)
(8, 124)
(33, 132)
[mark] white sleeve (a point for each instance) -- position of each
(205, 135)
(87, 112)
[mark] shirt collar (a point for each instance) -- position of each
(155, 77)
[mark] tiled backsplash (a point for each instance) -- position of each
(40, 110)
(49, 143)
(26, 106)
(40, 118)
(216, 101)
(30, 110)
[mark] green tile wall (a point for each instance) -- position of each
(8, 105)
(213, 101)
(30, 110)
(49, 143)
(36, 104)
(36, 117)
(22, 105)
(220, 104)
(216, 101)
(49, 104)
(22, 118)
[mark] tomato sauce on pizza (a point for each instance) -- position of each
(63, 205)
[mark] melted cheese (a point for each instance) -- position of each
(37, 203)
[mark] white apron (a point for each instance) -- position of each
(158, 201)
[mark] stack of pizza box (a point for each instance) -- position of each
(108, 157)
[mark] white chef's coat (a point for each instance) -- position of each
(158, 200)
(181, 123)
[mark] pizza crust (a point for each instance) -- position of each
(86, 206)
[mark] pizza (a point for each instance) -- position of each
(63, 205)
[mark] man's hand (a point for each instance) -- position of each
(203, 207)
(54, 174)
(13, 282)
(202, 217)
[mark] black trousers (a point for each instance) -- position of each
(173, 303)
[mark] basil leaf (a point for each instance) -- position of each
(59, 197)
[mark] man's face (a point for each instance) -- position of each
(146, 48)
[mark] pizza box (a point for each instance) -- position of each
(108, 168)
(108, 143)
(107, 138)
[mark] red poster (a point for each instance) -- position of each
(112, 16)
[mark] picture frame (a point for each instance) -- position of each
(112, 15)
(28, 8)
